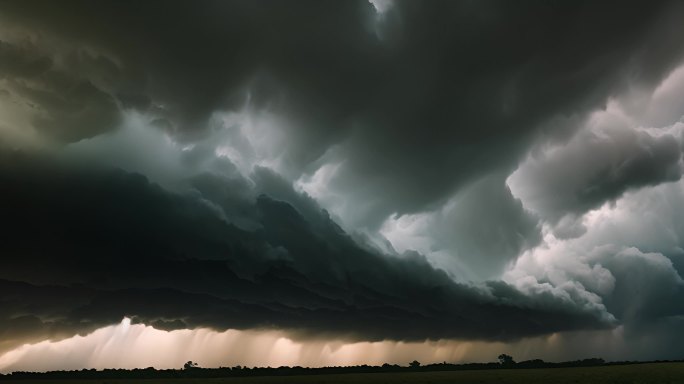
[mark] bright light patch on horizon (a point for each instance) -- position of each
(127, 345)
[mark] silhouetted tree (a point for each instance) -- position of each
(190, 365)
(506, 360)
(414, 364)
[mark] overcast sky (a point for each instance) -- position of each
(363, 181)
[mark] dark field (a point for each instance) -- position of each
(637, 373)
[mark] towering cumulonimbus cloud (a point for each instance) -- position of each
(360, 170)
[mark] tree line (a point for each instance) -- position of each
(192, 370)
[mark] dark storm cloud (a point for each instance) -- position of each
(449, 88)
(655, 292)
(427, 104)
(91, 246)
(22, 63)
(64, 104)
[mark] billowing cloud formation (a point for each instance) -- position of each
(612, 228)
(112, 245)
(630, 254)
(606, 158)
(469, 81)
(489, 170)
(483, 227)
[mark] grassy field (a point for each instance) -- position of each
(640, 373)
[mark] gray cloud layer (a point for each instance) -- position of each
(456, 88)
(607, 158)
(419, 113)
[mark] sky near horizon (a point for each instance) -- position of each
(339, 182)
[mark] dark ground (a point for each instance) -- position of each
(637, 373)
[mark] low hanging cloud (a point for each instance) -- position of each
(169, 260)
(637, 287)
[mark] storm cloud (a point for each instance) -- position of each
(473, 82)
(358, 170)
(111, 244)
(606, 158)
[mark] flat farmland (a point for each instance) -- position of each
(637, 373)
